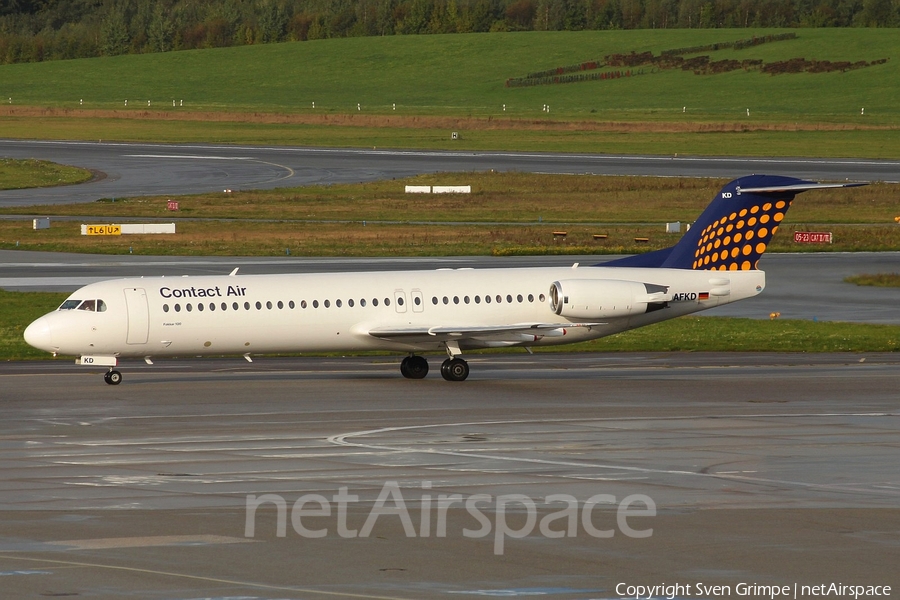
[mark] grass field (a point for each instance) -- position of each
(265, 94)
(507, 214)
(465, 74)
(875, 279)
(683, 334)
(20, 174)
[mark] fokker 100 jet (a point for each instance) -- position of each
(411, 312)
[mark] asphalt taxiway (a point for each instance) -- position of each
(767, 469)
(762, 468)
(140, 169)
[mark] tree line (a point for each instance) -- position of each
(38, 30)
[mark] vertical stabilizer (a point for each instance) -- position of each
(735, 229)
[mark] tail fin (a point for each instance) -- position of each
(735, 229)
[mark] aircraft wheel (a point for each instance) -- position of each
(455, 369)
(113, 378)
(417, 367)
(414, 367)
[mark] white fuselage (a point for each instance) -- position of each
(256, 314)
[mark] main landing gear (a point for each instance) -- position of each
(455, 369)
(112, 377)
(416, 367)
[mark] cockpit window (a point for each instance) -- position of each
(101, 306)
(90, 305)
(69, 304)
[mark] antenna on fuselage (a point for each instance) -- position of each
(233, 273)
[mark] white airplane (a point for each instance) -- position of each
(452, 310)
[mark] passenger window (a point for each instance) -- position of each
(280, 305)
(374, 301)
(177, 308)
(224, 306)
(291, 304)
(455, 299)
(466, 299)
(531, 297)
(315, 304)
(165, 308)
(487, 299)
(542, 297)
(303, 304)
(200, 306)
(350, 302)
(234, 306)
(69, 304)
(400, 300)
(246, 306)
(417, 300)
(362, 302)
(519, 298)
(446, 300)
(212, 306)
(90, 305)
(509, 298)
(327, 304)
(499, 298)
(477, 299)
(188, 307)
(387, 301)
(269, 305)
(434, 300)
(338, 302)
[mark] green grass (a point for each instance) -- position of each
(465, 74)
(20, 309)
(720, 334)
(863, 143)
(684, 334)
(30, 173)
(876, 280)
(496, 197)
(507, 214)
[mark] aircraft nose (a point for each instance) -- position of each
(39, 335)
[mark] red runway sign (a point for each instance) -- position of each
(812, 237)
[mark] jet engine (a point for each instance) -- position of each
(594, 299)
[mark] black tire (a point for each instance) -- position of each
(113, 378)
(417, 367)
(404, 367)
(455, 369)
(414, 367)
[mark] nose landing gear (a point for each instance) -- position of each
(112, 377)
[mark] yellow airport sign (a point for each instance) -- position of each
(105, 229)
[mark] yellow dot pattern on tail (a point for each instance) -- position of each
(734, 242)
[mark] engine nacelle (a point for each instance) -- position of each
(594, 299)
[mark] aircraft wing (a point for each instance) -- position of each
(515, 333)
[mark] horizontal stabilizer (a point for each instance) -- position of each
(795, 188)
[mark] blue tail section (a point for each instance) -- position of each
(734, 230)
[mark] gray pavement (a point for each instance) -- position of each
(128, 169)
(763, 468)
